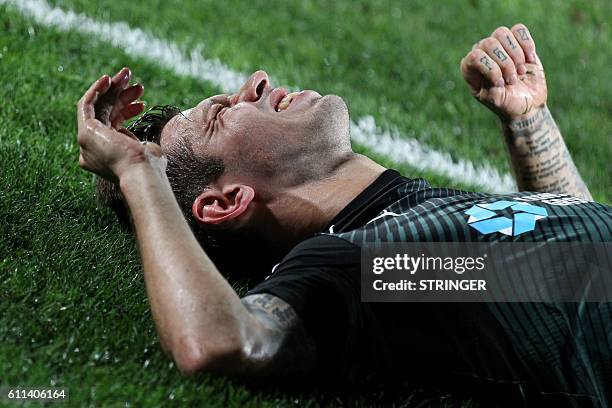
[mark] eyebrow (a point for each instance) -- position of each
(181, 113)
(181, 129)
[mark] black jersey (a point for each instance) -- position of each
(559, 352)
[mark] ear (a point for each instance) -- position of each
(216, 206)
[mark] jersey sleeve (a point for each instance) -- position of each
(320, 279)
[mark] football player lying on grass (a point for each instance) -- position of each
(267, 169)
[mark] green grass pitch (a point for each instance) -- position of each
(73, 310)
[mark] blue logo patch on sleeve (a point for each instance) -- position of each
(487, 219)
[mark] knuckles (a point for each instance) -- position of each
(500, 31)
(91, 126)
(489, 43)
(474, 56)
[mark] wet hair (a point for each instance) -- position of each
(189, 174)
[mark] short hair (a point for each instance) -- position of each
(190, 174)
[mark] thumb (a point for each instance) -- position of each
(472, 76)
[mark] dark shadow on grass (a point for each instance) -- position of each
(390, 393)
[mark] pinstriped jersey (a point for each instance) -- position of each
(421, 213)
(531, 351)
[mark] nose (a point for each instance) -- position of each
(252, 89)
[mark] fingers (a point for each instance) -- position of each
(109, 88)
(512, 48)
(96, 132)
(118, 116)
(120, 81)
(118, 103)
(85, 106)
(496, 52)
(125, 107)
(132, 110)
(99, 87)
(130, 94)
(478, 66)
(102, 147)
(523, 36)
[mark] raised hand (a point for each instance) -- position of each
(504, 73)
(119, 103)
(106, 148)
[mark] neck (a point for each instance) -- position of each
(308, 208)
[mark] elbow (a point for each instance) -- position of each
(193, 357)
(190, 361)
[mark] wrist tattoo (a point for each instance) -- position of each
(540, 158)
(529, 125)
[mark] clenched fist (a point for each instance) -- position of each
(504, 73)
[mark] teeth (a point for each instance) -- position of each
(284, 103)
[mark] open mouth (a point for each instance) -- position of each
(284, 103)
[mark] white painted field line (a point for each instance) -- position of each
(422, 157)
(169, 55)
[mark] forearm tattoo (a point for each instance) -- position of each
(540, 157)
(289, 349)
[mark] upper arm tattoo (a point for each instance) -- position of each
(284, 346)
(272, 309)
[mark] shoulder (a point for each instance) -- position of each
(324, 242)
(306, 301)
(324, 246)
(318, 264)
